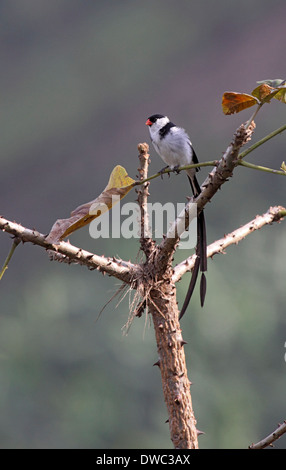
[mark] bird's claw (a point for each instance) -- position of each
(161, 172)
(176, 169)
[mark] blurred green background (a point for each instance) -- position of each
(78, 80)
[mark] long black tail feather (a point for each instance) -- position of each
(202, 240)
(192, 284)
(201, 252)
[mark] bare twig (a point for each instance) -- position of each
(15, 243)
(274, 214)
(261, 168)
(268, 441)
(262, 141)
(147, 244)
(167, 171)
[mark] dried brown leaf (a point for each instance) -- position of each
(118, 186)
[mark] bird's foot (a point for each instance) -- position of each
(161, 172)
(176, 169)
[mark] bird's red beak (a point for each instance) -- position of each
(148, 122)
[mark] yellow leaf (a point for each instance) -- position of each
(118, 186)
(262, 91)
(233, 102)
(281, 95)
(119, 178)
(265, 93)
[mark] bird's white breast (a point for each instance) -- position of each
(174, 148)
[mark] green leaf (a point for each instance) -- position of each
(273, 83)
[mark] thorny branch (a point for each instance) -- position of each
(122, 270)
(274, 214)
(147, 244)
(268, 441)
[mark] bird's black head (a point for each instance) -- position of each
(153, 119)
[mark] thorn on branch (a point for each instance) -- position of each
(178, 400)
(157, 364)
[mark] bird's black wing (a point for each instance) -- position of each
(194, 156)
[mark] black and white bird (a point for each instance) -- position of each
(174, 146)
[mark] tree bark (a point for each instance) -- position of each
(172, 364)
